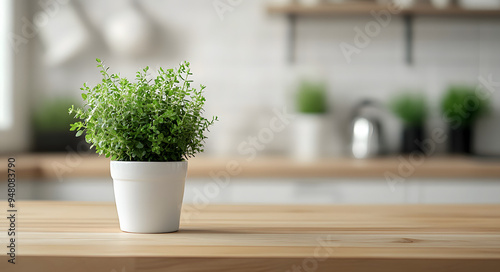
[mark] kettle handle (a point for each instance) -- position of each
(364, 103)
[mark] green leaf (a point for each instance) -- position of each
(84, 96)
(79, 133)
(139, 145)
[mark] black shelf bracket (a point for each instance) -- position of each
(408, 25)
(291, 37)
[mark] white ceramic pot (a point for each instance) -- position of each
(309, 2)
(308, 129)
(404, 3)
(441, 4)
(149, 195)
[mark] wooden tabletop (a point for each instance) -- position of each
(84, 236)
(68, 165)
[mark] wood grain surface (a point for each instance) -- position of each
(84, 236)
(68, 165)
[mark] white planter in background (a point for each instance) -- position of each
(280, 2)
(404, 3)
(441, 4)
(309, 2)
(308, 132)
(149, 195)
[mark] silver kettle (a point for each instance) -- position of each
(366, 130)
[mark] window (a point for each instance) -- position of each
(6, 52)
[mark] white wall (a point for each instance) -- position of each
(242, 60)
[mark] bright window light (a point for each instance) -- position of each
(6, 52)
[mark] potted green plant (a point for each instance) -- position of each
(461, 107)
(411, 108)
(50, 126)
(149, 128)
(311, 104)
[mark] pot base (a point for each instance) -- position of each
(148, 195)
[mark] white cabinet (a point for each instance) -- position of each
(460, 191)
(346, 191)
(283, 191)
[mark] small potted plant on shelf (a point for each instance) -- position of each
(50, 126)
(461, 107)
(311, 104)
(149, 128)
(412, 110)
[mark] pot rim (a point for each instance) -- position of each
(138, 162)
(142, 170)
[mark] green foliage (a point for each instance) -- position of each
(51, 115)
(312, 97)
(149, 120)
(462, 106)
(410, 108)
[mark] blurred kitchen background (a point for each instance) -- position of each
(318, 101)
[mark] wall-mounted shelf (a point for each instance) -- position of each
(292, 11)
(366, 8)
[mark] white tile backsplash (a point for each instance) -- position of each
(242, 60)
